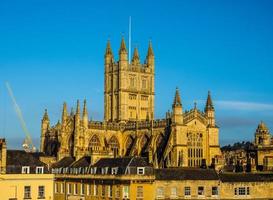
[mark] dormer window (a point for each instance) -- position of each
(140, 170)
(104, 170)
(39, 170)
(114, 170)
(25, 170)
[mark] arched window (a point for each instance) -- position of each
(94, 143)
(195, 149)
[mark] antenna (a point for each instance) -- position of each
(130, 39)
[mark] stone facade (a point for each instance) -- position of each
(183, 138)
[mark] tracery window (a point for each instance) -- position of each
(195, 149)
(94, 143)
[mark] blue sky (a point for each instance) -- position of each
(52, 51)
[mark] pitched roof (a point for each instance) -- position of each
(246, 177)
(122, 162)
(64, 162)
(22, 158)
(16, 159)
(185, 174)
(82, 162)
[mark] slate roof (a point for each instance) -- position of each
(185, 174)
(16, 159)
(122, 162)
(82, 162)
(64, 162)
(246, 177)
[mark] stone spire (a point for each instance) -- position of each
(45, 117)
(209, 104)
(122, 46)
(150, 50)
(85, 114)
(64, 114)
(135, 59)
(78, 110)
(177, 99)
(108, 51)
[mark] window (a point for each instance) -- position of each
(139, 192)
(247, 191)
(173, 192)
(187, 191)
(69, 188)
(242, 191)
(39, 170)
(110, 191)
(27, 192)
(132, 82)
(114, 170)
(56, 188)
(25, 169)
(201, 191)
(140, 170)
(125, 192)
(62, 188)
(214, 191)
(160, 192)
(88, 192)
(41, 192)
(144, 83)
(82, 189)
(103, 190)
(96, 190)
(75, 188)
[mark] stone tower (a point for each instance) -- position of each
(129, 86)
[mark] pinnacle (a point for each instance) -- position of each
(108, 49)
(136, 55)
(150, 50)
(122, 46)
(177, 99)
(209, 104)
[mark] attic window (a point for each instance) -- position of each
(39, 170)
(140, 170)
(25, 169)
(114, 170)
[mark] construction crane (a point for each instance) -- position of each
(27, 143)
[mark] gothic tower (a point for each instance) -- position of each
(129, 86)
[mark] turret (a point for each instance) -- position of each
(78, 113)
(209, 110)
(44, 128)
(108, 56)
(150, 56)
(64, 114)
(135, 59)
(85, 115)
(177, 109)
(262, 135)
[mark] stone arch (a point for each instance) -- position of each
(94, 143)
(128, 144)
(143, 145)
(113, 144)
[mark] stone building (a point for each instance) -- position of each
(182, 138)
(23, 175)
(134, 178)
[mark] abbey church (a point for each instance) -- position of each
(182, 139)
